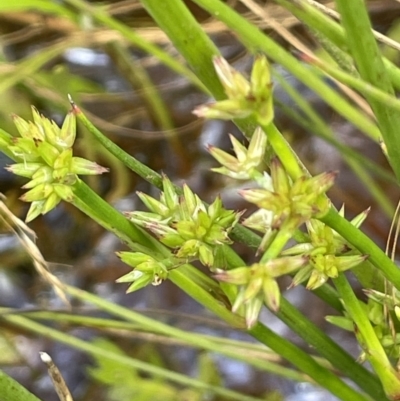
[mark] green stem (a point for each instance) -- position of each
(201, 288)
(179, 24)
(285, 153)
(370, 65)
(315, 337)
(277, 245)
(328, 349)
(114, 221)
(325, 25)
(303, 361)
(204, 297)
(11, 390)
(152, 325)
(253, 354)
(144, 321)
(373, 348)
(97, 351)
(364, 87)
(135, 165)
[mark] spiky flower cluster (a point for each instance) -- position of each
(245, 97)
(43, 152)
(146, 270)
(285, 205)
(182, 222)
(328, 253)
(258, 284)
(247, 162)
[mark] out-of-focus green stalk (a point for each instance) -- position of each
(43, 6)
(85, 346)
(371, 344)
(301, 359)
(29, 65)
(328, 349)
(11, 390)
(368, 60)
(364, 87)
(134, 38)
(253, 354)
(320, 22)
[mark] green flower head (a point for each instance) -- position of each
(184, 223)
(43, 152)
(244, 97)
(258, 284)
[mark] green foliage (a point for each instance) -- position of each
(11, 390)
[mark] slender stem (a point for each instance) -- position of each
(253, 354)
(371, 344)
(111, 219)
(277, 245)
(334, 32)
(135, 165)
(328, 349)
(97, 351)
(205, 297)
(370, 65)
(303, 361)
(174, 18)
(11, 390)
(282, 149)
(144, 321)
(201, 288)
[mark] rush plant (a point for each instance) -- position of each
(293, 231)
